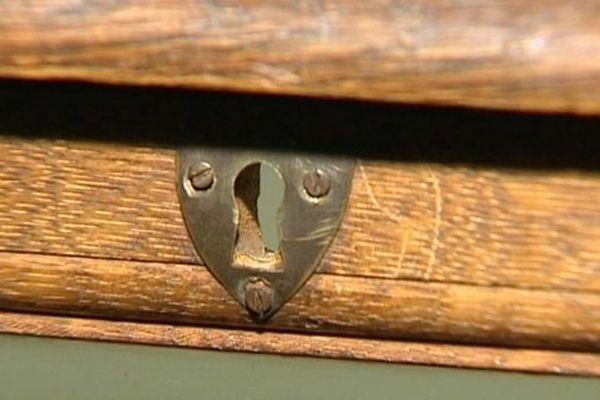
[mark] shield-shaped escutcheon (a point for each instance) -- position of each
(217, 189)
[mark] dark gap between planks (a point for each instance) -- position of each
(172, 117)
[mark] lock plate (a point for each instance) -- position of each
(316, 189)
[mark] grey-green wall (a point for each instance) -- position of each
(37, 368)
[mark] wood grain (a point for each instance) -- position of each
(525, 360)
(507, 54)
(425, 222)
(328, 304)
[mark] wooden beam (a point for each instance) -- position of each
(506, 54)
(493, 227)
(328, 304)
(540, 361)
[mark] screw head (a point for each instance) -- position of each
(201, 176)
(258, 297)
(317, 183)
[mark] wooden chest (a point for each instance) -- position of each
(472, 232)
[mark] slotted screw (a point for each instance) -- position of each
(258, 297)
(201, 176)
(317, 183)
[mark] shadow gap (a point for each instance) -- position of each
(163, 117)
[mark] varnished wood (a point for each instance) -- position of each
(413, 221)
(508, 54)
(449, 253)
(392, 309)
(555, 362)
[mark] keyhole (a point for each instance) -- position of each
(259, 190)
(269, 203)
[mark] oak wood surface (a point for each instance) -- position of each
(502, 227)
(508, 54)
(354, 306)
(449, 253)
(540, 361)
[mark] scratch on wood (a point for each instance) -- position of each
(435, 242)
(394, 217)
(371, 194)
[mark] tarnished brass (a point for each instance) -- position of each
(219, 211)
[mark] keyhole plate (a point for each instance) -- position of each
(315, 196)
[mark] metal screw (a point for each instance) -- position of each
(317, 183)
(258, 297)
(201, 176)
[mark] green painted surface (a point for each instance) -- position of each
(37, 368)
(269, 202)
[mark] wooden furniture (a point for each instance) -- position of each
(472, 237)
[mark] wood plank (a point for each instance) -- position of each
(536, 229)
(506, 54)
(525, 360)
(328, 304)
